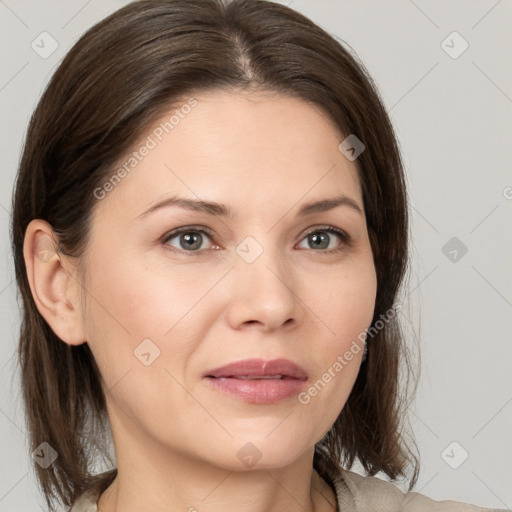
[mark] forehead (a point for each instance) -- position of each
(250, 150)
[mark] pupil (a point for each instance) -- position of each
(322, 238)
(191, 241)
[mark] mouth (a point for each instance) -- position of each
(258, 381)
(256, 369)
(260, 377)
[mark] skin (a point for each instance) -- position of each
(177, 439)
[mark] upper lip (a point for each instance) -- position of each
(259, 368)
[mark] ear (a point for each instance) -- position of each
(56, 291)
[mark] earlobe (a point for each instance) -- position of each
(54, 289)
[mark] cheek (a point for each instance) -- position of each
(140, 301)
(135, 309)
(347, 304)
(137, 333)
(346, 310)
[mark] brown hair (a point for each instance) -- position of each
(117, 80)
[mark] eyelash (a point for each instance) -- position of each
(203, 230)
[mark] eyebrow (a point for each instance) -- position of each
(221, 210)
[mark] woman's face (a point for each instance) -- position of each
(164, 309)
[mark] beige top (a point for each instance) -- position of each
(356, 493)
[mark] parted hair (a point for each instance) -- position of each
(118, 78)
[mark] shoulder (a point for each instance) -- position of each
(371, 494)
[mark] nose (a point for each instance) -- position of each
(265, 293)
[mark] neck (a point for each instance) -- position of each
(182, 484)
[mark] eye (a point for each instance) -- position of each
(322, 237)
(188, 239)
(195, 240)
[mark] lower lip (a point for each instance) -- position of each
(258, 391)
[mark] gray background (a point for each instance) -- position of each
(452, 116)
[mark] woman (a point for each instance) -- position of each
(210, 233)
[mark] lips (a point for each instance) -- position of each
(256, 369)
(258, 381)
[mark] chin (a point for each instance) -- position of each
(263, 452)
